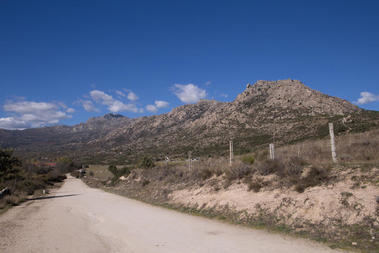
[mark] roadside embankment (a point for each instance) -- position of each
(340, 209)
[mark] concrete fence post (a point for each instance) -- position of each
(189, 160)
(332, 142)
(272, 151)
(231, 152)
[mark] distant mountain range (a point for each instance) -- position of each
(283, 111)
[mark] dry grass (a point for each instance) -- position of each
(296, 167)
(12, 200)
(300, 165)
(361, 148)
(100, 171)
(292, 161)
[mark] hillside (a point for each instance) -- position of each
(301, 192)
(285, 110)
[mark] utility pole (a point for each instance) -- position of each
(332, 142)
(231, 152)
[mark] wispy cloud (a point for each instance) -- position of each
(12, 123)
(120, 93)
(367, 97)
(161, 103)
(189, 93)
(157, 105)
(132, 96)
(70, 110)
(112, 104)
(26, 114)
(151, 108)
(89, 106)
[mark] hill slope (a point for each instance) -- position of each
(284, 110)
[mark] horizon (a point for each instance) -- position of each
(171, 109)
(65, 62)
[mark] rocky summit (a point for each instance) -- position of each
(283, 111)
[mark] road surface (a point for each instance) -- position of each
(77, 218)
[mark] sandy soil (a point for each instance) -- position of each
(317, 205)
(82, 219)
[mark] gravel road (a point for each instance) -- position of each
(76, 218)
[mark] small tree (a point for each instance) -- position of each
(9, 165)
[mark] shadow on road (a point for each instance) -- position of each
(53, 197)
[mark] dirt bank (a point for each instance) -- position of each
(343, 212)
(81, 219)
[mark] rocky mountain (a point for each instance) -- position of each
(283, 111)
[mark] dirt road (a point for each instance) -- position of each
(80, 219)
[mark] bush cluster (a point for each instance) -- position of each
(248, 159)
(316, 176)
(24, 178)
(117, 173)
(147, 163)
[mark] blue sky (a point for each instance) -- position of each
(62, 62)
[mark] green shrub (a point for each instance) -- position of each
(238, 172)
(65, 165)
(29, 186)
(293, 168)
(145, 182)
(254, 184)
(262, 155)
(147, 163)
(118, 172)
(346, 194)
(268, 167)
(316, 176)
(9, 165)
(112, 169)
(248, 159)
(205, 173)
(14, 200)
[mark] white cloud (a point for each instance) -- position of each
(12, 123)
(28, 107)
(208, 83)
(89, 106)
(120, 93)
(70, 110)
(114, 105)
(132, 96)
(157, 105)
(101, 97)
(189, 93)
(26, 114)
(161, 104)
(367, 97)
(151, 108)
